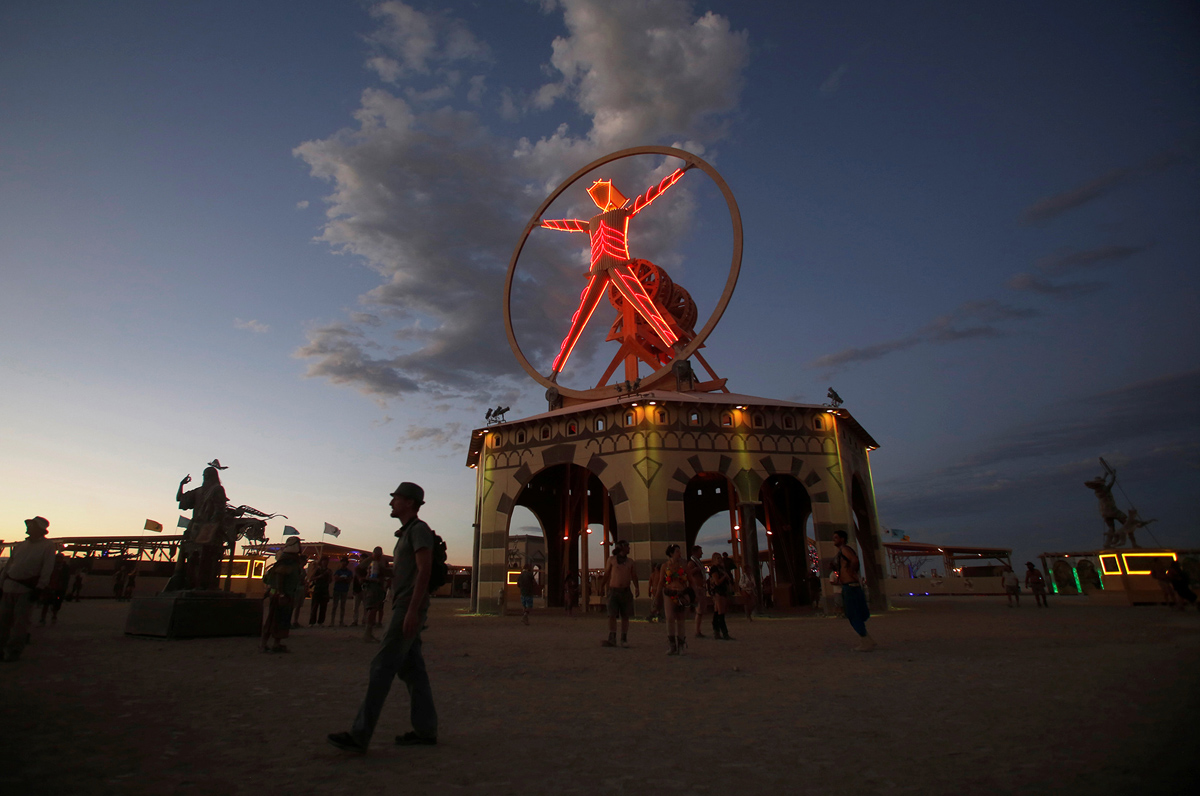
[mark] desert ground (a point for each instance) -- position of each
(963, 696)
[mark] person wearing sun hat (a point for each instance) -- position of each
(283, 579)
(400, 653)
(26, 574)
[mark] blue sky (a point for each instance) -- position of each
(276, 233)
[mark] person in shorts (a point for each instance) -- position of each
(1036, 584)
(621, 574)
(528, 586)
(1012, 586)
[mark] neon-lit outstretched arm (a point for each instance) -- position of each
(655, 191)
(565, 224)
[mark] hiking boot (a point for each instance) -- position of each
(345, 742)
(414, 739)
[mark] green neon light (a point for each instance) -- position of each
(1078, 586)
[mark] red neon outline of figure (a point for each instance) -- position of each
(609, 234)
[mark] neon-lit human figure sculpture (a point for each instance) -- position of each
(611, 263)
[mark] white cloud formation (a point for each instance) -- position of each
(302, 204)
(434, 201)
(251, 326)
(411, 41)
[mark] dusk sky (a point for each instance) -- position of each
(277, 234)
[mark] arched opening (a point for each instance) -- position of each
(786, 511)
(868, 543)
(566, 499)
(707, 494)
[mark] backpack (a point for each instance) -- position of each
(439, 575)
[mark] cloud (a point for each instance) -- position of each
(1077, 260)
(1055, 205)
(443, 438)
(251, 326)
(433, 200)
(833, 83)
(1031, 283)
(972, 320)
(410, 41)
(302, 204)
(1067, 262)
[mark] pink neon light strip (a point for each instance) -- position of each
(568, 343)
(634, 291)
(566, 224)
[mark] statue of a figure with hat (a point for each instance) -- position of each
(209, 531)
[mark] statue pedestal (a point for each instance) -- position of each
(194, 614)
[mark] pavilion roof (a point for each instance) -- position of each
(665, 396)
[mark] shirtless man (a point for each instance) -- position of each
(854, 600)
(620, 574)
(698, 582)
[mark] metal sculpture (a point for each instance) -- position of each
(656, 318)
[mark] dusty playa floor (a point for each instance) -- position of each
(962, 697)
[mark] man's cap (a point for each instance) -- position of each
(38, 525)
(410, 490)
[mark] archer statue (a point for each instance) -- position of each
(1114, 536)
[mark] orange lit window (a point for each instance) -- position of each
(694, 418)
(1142, 562)
(1110, 565)
(726, 419)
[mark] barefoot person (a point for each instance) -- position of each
(675, 598)
(699, 582)
(620, 573)
(854, 600)
(400, 655)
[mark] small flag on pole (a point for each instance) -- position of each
(151, 525)
(332, 530)
(183, 522)
(290, 531)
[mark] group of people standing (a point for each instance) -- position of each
(290, 583)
